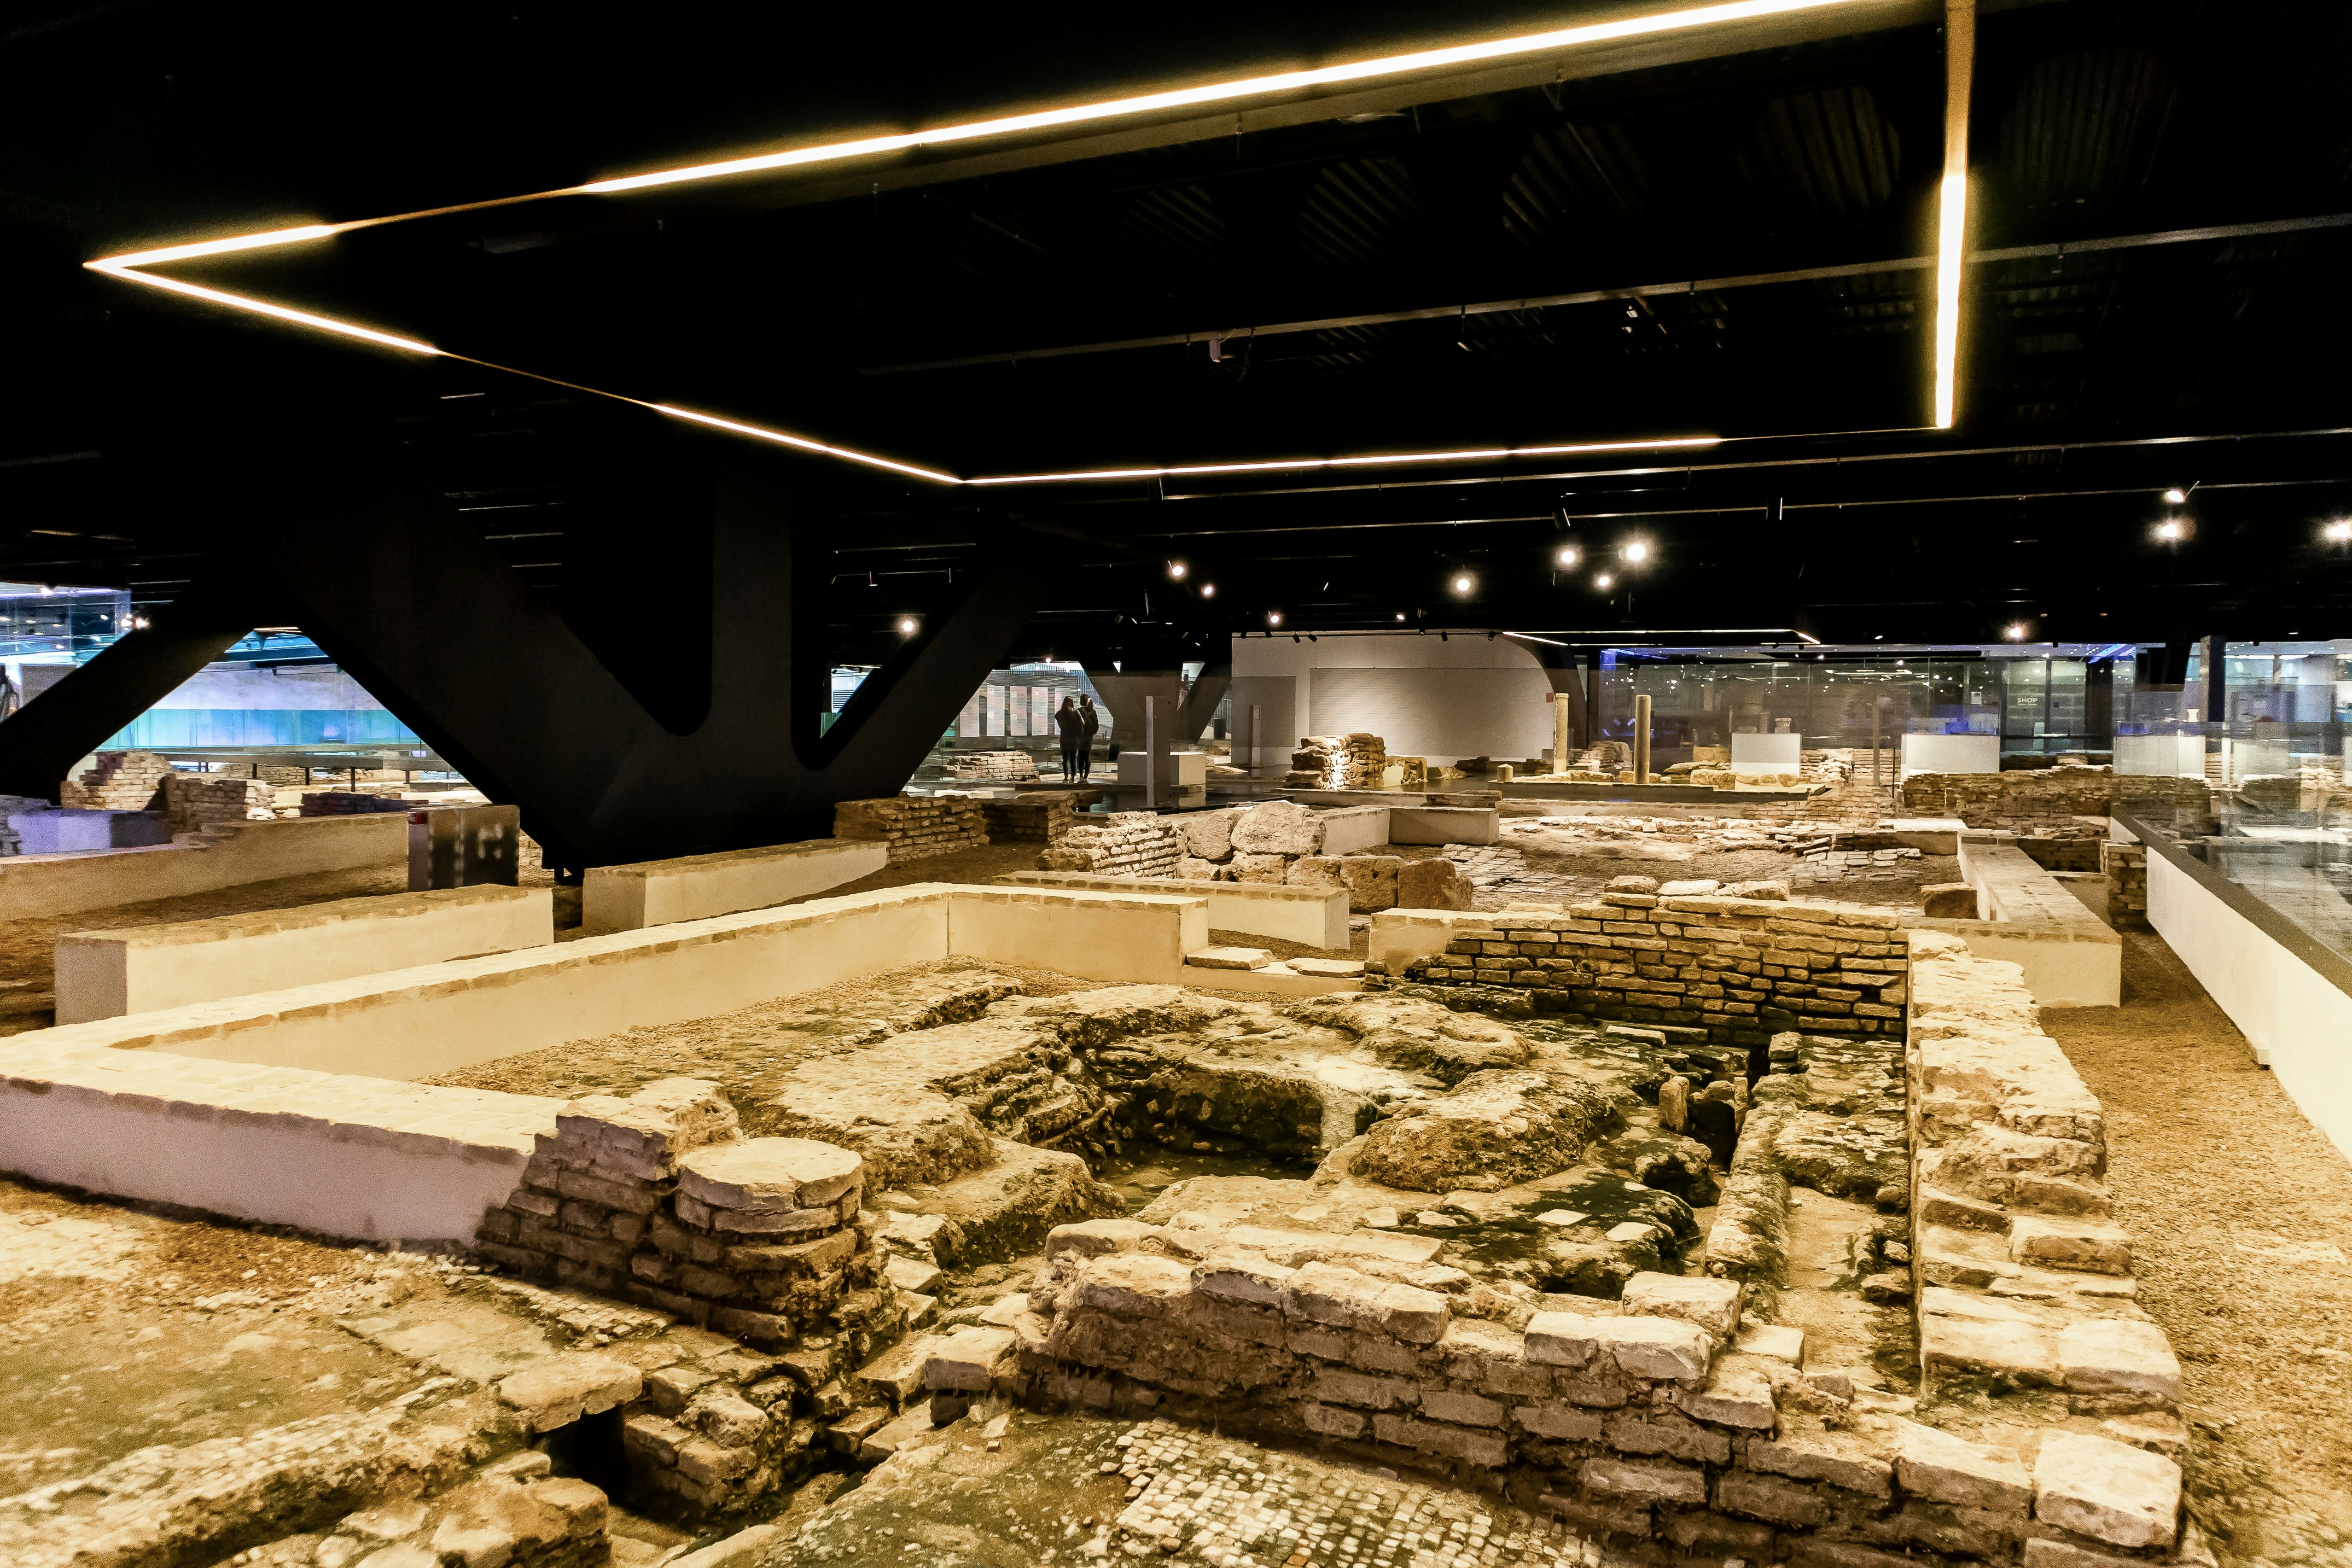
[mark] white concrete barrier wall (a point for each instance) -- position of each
(2026, 916)
(2299, 1024)
(1768, 753)
(227, 854)
(1444, 825)
(696, 887)
(1312, 916)
(1951, 754)
(341, 1156)
(1123, 936)
(1354, 830)
(417, 1023)
(105, 974)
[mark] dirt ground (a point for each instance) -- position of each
(2242, 1215)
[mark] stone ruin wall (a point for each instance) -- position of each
(1734, 971)
(661, 1200)
(2048, 799)
(1681, 1414)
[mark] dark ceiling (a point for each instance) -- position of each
(1726, 244)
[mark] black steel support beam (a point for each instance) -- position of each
(47, 736)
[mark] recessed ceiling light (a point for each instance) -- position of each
(1603, 580)
(1462, 583)
(1208, 590)
(907, 624)
(2176, 496)
(2340, 531)
(2171, 529)
(1176, 570)
(1636, 552)
(1570, 555)
(1274, 617)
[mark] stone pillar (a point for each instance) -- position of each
(1642, 739)
(1559, 732)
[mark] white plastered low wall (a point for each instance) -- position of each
(1354, 829)
(696, 887)
(2028, 918)
(1315, 917)
(140, 968)
(224, 855)
(340, 1156)
(1444, 825)
(2299, 1024)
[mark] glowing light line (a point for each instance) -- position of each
(1299, 465)
(848, 454)
(264, 308)
(1221, 93)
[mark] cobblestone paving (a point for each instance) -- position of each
(1231, 1504)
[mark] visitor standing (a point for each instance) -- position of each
(1073, 725)
(1092, 721)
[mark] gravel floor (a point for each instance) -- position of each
(2242, 1215)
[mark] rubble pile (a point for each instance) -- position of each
(1015, 766)
(121, 781)
(1036, 817)
(914, 827)
(1280, 841)
(1118, 843)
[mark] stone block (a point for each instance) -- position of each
(1432, 884)
(1738, 1393)
(1712, 1304)
(1559, 1423)
(2119, 1359)
(969, 1361)
(1132, 1284)
(2108, 1490)
(1774, 1499)
(1653, 1481)
(1948, 900)
(1278, 828)
(1775, 1342)
(1338, 1385)
(1461, 1409)
(1663, 1434)
(562, 1388)
(1095, 1238)
(1334, 1423)
(1229, 959)
(1941, 1468)
(1486, 1449)
(2083, 1244)
(768, 1175)
(1644, 1347)
(1839, 1458)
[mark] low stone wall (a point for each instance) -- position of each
(2046, 798)
(2069, 956)
(222, 855)
(696, 887)
(141, 968)
(194, 799)
(1733, 971)
(914, 828)
(2028, 1326)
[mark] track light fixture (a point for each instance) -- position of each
(1603, 581)
(2171, 529)
(1568, 556)
(906, 625)
(1176, 570)
(2176, 496)
(1208, 590)
(2338, 532)
(1464, 582)
(1274, 617)
(1636, 552)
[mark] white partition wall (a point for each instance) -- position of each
(2161, 755)
(1951, 754)
(1768, 753)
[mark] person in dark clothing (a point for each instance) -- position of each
(1073, 725)
(1092, 720)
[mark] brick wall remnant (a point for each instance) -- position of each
(1013, 766)
(121, 782)
(351, 803)
(2126, 868)
(2048, 796)
(196, 799)
(1034, 817)
(1733, 971)
(1119, 843)
(914, 827)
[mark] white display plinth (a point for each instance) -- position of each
(1768, 753)
(1182, 770)
(1951, 754)
(2160, 756)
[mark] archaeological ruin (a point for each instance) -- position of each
(949, 788)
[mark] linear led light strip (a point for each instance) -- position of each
(130, 266)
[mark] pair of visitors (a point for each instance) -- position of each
(1077, 721)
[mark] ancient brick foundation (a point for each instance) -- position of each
(1037, 817)
(914, 828)
(2047, 798)
(1734, 971)
(1122, 843)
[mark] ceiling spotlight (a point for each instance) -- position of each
(1570, 555)
(2340, 531)
(1208, 590)
(1274, 617)
(2015, 632)
(2169, 529)
(1603, 581)
(1462, 583)
(2176, 496)
(907, 625)
(1400, 614)
(1176, 571)
(1636, 551)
